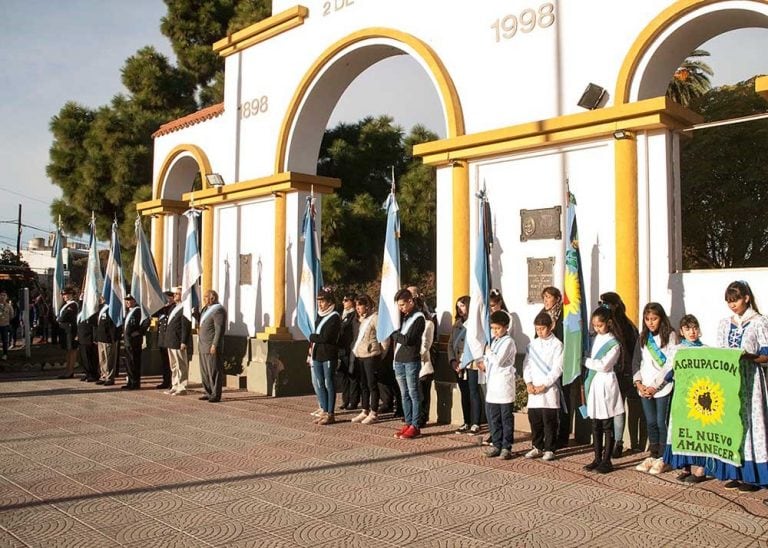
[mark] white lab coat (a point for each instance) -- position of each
(604, 398)
(499, 359)
(550, 353)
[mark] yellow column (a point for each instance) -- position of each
(279, 273)
(460, 176)
(158, 243)
(627, 283)
(207, 249)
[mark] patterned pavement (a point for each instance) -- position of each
(82, 465)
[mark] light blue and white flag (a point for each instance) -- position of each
(478, 316)
(94, 279)
(389, 314)
(58, 273)
(114, 284)
(190, 278)
(311, 273)
(145, 285)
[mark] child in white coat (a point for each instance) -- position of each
(601, 388)
(542, 368)
(498, 363)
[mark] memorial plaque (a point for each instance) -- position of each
(539, 276)
(246, 269)
(540, 224)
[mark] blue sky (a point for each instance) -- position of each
(56, 51)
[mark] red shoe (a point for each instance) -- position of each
(410, 433)
(399, 433)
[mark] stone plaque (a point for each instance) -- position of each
(246, 269)
(540, 224)
(539, 276)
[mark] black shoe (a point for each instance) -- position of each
(592, 465)
(733, 484)
(100, 381)
(618, 450)
(66, 376)
(126, 387)
(91, 379)
(214, 400)
(163, 386)
(604, 468)
(83, 378)
(683, 476)
(204, 397)
(694, 479)
(384, 409)
(109, 383)
(748, 488)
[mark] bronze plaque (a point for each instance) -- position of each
(246, 269)
(539, 276)
(540, 224)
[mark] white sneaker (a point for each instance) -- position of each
(169, 392)
(533, 454)
(548, 455)
(659, 467)
(359, 418)
(646, 465)
(370, 419)
(317, 412)
(179, 393)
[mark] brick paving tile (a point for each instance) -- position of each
(87, 467)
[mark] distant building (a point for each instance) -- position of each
(39, 256)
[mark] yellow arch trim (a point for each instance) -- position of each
(196, 152)
(648, 36)
(448, 94)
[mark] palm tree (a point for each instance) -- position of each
(691, 79)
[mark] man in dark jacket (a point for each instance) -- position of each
(89, 357)
(162, 326)
(349, 382)
(107, 338)
(178, 340)
(133, 336)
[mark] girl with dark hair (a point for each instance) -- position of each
(455, 352)
(656, 343)
(628, 341)
(367, 351)
(324, 352)
(747, 329)
(601, 388)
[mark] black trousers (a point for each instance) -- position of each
(476, 400)
(501, 421)
(464, 391)
(349, 383)
(565, 416)
(425, 395)
(544, 424)
(165, 365)
(369, 382)
(133, 362)
(89, 359)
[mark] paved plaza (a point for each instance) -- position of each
(82, 465)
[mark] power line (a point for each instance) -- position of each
(25, 196)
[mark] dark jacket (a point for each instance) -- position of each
(162, 324)
(133, 328)
(410, 341)
(325, 343)
(178, 330)
(85, 329)
(348, 331)
(106, 331)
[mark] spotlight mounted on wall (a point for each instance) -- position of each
(214, 179)
(593, 97)
(620, 134)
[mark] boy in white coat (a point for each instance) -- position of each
(498, 363)
(542, 368)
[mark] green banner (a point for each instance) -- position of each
(706, 407)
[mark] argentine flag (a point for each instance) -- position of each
(94, 279)
(190, 296)
(58, 274)
(145, 286)
(389, 315)
(114, 284)
(311, 273)
(478, 316)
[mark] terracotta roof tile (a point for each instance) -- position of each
(190, 119)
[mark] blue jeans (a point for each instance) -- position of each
(656, 411)
(407, 375)
(501, 420)
(322, 381)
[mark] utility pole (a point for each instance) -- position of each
(18, 238)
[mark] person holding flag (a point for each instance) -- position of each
(133, 337)
(67, 320)
(88, 318)
(190, 278)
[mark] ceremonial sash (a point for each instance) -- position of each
(687, 343)
(320, 325)
(406, 326)
(542, 366)
(607, 347)
(655, 352)
(178, 308)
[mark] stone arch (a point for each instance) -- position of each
(182, 160)
(322, 85)
(655, 54)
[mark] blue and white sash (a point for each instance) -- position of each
(208, 311)
(320, 325)
(406, 326)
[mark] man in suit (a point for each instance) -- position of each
(178, 339)
(162, 327)
(133, 334)
(107, 343)
(213, 319)
(89, 358)
(67, 321)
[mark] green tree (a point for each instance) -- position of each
(691, 79)
(194, 25)
(723, 172)
(353, 220)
